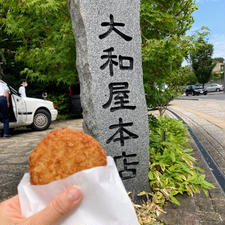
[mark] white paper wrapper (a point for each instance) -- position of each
(105, 200)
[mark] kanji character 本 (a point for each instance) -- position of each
(112, 27)
(110, 62)
(129, 170)
(120, 92)
(121, 130)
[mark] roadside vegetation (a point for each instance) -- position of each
(172, 170)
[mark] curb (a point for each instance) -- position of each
(212, 165)
(183, 98)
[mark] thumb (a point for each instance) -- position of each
(60, 207)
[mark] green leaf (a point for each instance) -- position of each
(174, 200)
(172, 155)
(150, 175)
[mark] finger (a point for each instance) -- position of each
(10, 212)
(14, 198)
(61, 206)
(14, 201)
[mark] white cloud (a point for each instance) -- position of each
(218, 42)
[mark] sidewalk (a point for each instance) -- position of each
(206, 119)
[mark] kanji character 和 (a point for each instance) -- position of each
(110, 62)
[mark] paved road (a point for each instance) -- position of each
(14, 153)
(209, 96)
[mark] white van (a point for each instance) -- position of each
(33, 112)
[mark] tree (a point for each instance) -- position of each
(219, 59)
(8, 45)
(166, 19)
(164, 46)
(189, 76)
(217, 76)
(202, 62)
(161, 62)
(47, 46)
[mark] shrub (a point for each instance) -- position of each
(172, 169)
(62, 103)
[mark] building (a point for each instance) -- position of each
(219, 67)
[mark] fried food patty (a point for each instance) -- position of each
(62, 153)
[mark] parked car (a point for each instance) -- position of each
(214, 87)
(74, 93)
(195, 90)
(33, 112)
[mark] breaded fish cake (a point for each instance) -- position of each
(62, 153)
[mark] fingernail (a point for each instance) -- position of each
(74, 194)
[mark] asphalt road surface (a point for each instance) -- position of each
(213, 96)
(209, 96)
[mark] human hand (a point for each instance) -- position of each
(61, 206)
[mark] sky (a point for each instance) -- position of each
(211, 14)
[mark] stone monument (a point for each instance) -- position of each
(109, 64)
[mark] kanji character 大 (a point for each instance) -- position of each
(112, 27)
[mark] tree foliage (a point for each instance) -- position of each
(219, 59)
(164, 47)
(202, 62)
(8, 45)
(164, 19)
(44, 30)
(189, 78)
(217, 77)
